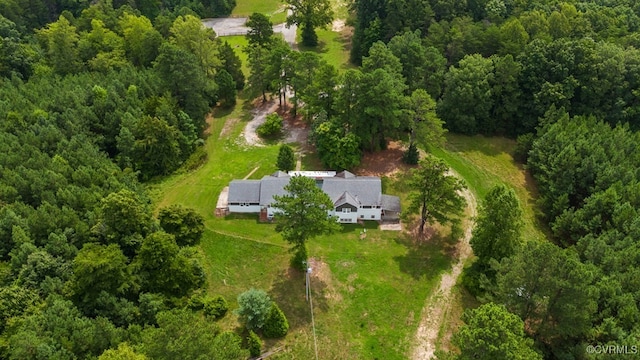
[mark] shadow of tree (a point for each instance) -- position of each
(426, 258)
(288, 291)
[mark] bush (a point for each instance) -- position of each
(271, 127)
(254, 344)
(286, 158)
(216, 307)
(276, 324)
(254, 306)
(411, 156)
(524, 143)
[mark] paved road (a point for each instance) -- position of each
(236, 26)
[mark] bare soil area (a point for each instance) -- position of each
(383, 163)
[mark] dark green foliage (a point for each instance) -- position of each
(260, 30)
(181, 334)
(299, 258)
(435, 193)
(215, 307)
(253, 308)
(276, 324)
(338, 149)
(492, 332)
(232, 64)
(226, 88)
(286, 158)
(411, 156)
(254, 344)
(524, 143)
(303, 212)
(271, 127)
(185, 224)
(309, 15)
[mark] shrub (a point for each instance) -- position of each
(411, 156)
(299, 258)
(271, 127)
(524, 144)
(286, 158)
(254, 306)
(254, 344)
(276, 324)
(216, 307)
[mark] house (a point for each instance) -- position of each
(354, 197)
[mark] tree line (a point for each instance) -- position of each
(93, 104)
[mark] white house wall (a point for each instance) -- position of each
(368, 213)
(244, 208)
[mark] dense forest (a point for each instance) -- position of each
(95, 100)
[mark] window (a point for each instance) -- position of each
(361, 216)
(373, 216)
(346, 210)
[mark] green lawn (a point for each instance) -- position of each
(248, 7)
(485, 162)
(367, 294)
(333, 47)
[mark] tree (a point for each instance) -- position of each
(188, 33)
(492, 332)
(182, 334)
(258, 77)
(309, 14)
(435, 193)
(338, 148)
(99, 268)
(253, 308)
(286, 158)
(498, 229)
(60, 40)
(123, 352)
(260, 30)
(424, 124)
(185, 224)
(550, 289)
(303, 212)
(226, 88)
(467, 99)
(141, 40)
(276, 324)
(232, 64)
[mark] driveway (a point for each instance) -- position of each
(236, 26)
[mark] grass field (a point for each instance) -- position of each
(485, 162)
(368, 293)
(333, 47)
(248, 7)
(238, 43)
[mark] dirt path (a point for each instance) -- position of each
(259, 116)
(439, 302)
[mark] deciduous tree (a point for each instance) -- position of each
(435, 194)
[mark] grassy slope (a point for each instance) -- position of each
(367, 294)
(248, 7)
(485, 162)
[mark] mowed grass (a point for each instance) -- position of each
(333, 47)
(485, 162)
(367, 293)
(248, 7)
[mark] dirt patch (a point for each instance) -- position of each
(227, 128)
(383, 163)
(337, 25)
(322, 272)
(260, 112)
(209, 121)
(439, 303)
(295, 128)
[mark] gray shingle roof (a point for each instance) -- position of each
(272, 186)
(390, 203)
(367, 189)
(346, 198)
(244, 191)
